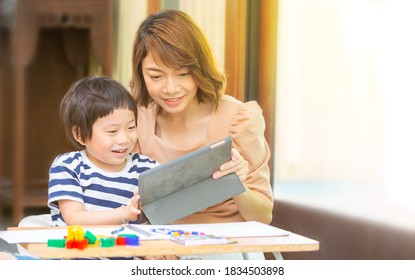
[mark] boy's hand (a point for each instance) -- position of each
(134, 207)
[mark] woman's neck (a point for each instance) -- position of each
(186, 128)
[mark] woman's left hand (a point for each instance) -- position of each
(237, 164)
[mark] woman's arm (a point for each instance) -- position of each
(254, 206)
(247, 131)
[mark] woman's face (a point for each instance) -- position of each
(172, 89)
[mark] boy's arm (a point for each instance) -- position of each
(74, 213)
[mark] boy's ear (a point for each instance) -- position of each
(77, 135)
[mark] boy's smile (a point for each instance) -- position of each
(113, 138)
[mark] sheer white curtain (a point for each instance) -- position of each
(345, 92)
(210, 16)
(127, 16)
(398, 81)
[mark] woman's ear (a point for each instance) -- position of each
(77, 135)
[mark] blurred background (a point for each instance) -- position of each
(334, 79)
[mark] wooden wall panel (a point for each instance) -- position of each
(235, 47)
(50, 43)
(236, 63)
(267, 68)
(153, 6)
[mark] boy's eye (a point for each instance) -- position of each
(131, 127)
(111, 131)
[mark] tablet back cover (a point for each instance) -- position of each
(185, 186)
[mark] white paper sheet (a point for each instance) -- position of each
(243, 229)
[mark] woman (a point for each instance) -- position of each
(182, 107)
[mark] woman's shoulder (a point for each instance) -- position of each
(241, 112)
(249, 107)
(237, 119)
(230, 101)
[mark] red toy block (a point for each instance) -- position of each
(70, 244)
(121, 241)
(73, 244)
(82, 244)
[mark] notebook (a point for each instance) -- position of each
(184, 186)
(191, 240)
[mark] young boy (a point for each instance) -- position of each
(98, 184)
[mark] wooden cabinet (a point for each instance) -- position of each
(45, 46)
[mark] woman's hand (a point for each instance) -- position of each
(237, 164)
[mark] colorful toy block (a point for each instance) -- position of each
(75, 244)
(121, 241)
(130, 239)
(58, 243)
(76, 233)
(91, 237)
(78, 238)
(107, 242)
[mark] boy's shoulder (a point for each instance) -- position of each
(72, 154)
(137, 157)
(69, 158)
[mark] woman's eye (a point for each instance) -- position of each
(184, 74)
(155, 77)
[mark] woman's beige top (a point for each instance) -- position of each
(244, 123)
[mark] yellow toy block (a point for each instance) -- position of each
(76, 233)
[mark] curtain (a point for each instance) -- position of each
(345, 72)
(128, 14)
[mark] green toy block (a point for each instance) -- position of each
(91, 237)
(108, 242)
(58, 243)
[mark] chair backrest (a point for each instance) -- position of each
(42, 220)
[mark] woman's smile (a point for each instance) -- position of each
(172, 101)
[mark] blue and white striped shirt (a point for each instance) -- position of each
(73, 176)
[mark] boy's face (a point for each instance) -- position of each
(113, 138)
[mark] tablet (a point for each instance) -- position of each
(184, 186)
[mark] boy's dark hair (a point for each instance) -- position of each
(89, 99)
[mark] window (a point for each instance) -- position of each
(345, 92)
